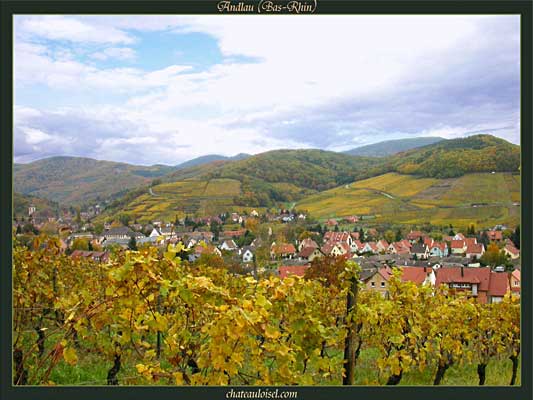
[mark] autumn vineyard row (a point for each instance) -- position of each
(198, 325)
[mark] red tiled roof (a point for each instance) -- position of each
(516, 276)
(415, 274)
(457, 244)
(512, 249)
(308, 242)
(499, 283)
(298, 270)
(385, 272)
(383, 243)
(469, 275)
(354, 235)
(474, 249)
(406, 243)
(470, 241)
(345, 246)
(373, 246)
(359, 244)
(307, 251)
(284, 248)
(336, 236)
(401, 248)
(326, 249)
(199, 249)
(239, 232)
(428, 241)
(414, 235)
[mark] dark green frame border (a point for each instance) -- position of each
(8, 8)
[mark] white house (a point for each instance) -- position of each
(229, 245)
(247, 255)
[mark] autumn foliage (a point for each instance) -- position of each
(202, 325)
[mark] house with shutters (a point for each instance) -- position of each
(484, 285)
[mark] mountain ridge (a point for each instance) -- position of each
(265, 178)
(391, 147)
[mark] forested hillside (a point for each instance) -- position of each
(453, 158)
(75, 180)
(390, 147)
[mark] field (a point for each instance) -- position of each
(482, 199)
(91, 371)
(188, 197)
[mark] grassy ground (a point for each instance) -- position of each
(91, 370)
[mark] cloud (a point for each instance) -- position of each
(55, 27)
(36, 64)
(120, 53)
(331, 82)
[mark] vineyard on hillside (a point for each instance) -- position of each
(153, 319)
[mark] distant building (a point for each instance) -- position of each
(298, 270)
(97, 256)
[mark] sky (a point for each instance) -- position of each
(165, 89)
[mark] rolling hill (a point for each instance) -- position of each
(44, 207)
(311, 178)
(391, 147)
(76, 180)
(323, 183)
(259, 181)
(209, 159)
(454, 158)
(484, 199)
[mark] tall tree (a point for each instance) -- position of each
(132, 244)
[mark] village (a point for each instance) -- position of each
(461, 261)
